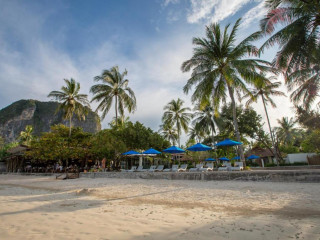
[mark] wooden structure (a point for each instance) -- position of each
(265, 155)
(16, 159)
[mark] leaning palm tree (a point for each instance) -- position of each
(177, 115)
(219, 66)
(298, 37)
(113, 86)
(266, 89)
(169, 133)
(286, 132)
(72, 102)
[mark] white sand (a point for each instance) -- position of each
(45, 208)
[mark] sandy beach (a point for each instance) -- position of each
(45, 208)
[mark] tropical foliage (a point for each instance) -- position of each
(113, 87)
(26, 135)
(72, 102)
(300, 34)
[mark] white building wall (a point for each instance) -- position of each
(298, 157)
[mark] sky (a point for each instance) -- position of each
(43, 42)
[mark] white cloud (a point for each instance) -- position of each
(214, 10)
(254, 14)
(167, 2)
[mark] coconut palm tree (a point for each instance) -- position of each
(205, 118)
(197, 132)
(286, 132)
(177, 115)
(220, 67)
(26, 135)
(298, 38)
(305, 81)
(169, 133)
(266, 89)
(72, 102)
(113, 86)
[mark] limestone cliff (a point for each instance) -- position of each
(41, 115)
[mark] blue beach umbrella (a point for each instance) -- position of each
(151, 151)
(199, 147)
(253, 157)
(236, 158)
(224, 159)
(228, 142)
(131, 152)
(173, 149)
(210, 159)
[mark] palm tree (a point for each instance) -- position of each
(205, 118)
(220, 66)
(177, 115)
(305, 81)
(197, 132)
(286, 132)
(26, 135)
(265, 89)
(113, 86)
(72, 102)
(298, 38)
(169, 133)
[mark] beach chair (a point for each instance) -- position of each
(174, 168)
(140, 169)
(238, 166)
(209, 167)
(152, 168)
(183, 168)
(227, 167)
(197, 168)
(133, 168)
(159, 168)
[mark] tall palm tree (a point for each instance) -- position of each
(266, 89)
(286, 132)
(113, 86)
(72, 102)
(177, 115)
(297, 39)
(305, 81)
(219, 66)
(169, 133)
(26, 135)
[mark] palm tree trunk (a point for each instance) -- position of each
(271, 134)
(179, 138)
(235, 122)
(70, 125)
(116, 110)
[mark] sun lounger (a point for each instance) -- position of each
(159, 168)
(227, 167)
(209, 167)
(152, 168)
(174, 168)
(183, 168)
(140, 169)
(238, 166)
(133, 168)
(197, 168)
